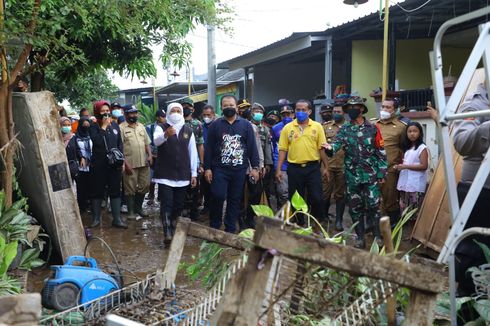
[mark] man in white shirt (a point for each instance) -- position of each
(175, 166)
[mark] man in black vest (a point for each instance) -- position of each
(229, 150)
(175, 167)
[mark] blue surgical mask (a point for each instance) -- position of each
(65, 129)
(258, 116)
(301, 116)
(116, 113)
(287, 120)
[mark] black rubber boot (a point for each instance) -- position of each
(327, 208)
(339, 215)
(130, 205)
(116, 214)
(360, 232)
(138, 205)
(167, 227)
(394, 218)
(96, 212)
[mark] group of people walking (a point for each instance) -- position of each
(373, 166)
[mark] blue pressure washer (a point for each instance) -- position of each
(73, 284)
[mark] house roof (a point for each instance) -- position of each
(422, 23)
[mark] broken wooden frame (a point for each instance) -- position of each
(480, 52)
(244, 295)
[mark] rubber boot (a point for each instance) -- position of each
(167, 227)
(138, 205)
(360, 232)
(130, 204)
(96, 212)
(327, 208)
(116, 214)
(394, 218)
(339, 215)
(376, 230)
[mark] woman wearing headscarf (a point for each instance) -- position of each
(70, 146)
(105, 136)
(175, 167)
(84, 153)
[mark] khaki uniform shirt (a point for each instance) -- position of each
(393, 132)
(135, 140)
(331, 128)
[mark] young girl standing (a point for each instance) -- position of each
(412, 181)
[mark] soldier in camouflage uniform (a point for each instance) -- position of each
(255, 189)
(365, 167)
(196, 126)
(336, 184)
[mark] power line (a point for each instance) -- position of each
(411, 10)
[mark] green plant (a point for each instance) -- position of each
(146, 114)
(8, 251)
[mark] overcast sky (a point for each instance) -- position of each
(258, 23)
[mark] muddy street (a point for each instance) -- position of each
(139, 249)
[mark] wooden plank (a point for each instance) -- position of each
(434, 221)
(420, 309)
(354, 261)
(385, 227)
(242, 301)
(176, 249)
(224, 238)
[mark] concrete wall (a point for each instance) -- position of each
(412, 65)
(291, 81)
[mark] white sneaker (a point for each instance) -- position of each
(124, 209)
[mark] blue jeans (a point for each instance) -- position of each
(227, 185)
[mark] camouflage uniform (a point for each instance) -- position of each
(196, 127)
(265, 142)
(197, 130)
(336, 184)
(364, 163)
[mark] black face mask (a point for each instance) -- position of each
(229, 112)
(245, 114)
(187, 111)
(326, 117)
(353, 113)
(105, 115)
(132, 119)
(270, 121)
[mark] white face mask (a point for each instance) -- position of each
(175, 118)
(207, 120)
(384, 115)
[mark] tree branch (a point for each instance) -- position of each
(28, 47)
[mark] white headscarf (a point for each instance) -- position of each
(176, 124)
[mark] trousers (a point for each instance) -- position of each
(227, 185)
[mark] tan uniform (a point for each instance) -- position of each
(336, 184)
(393, 132)
(135, 140)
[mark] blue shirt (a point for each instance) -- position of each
(231, 146)
(205, 127)
(276, 133)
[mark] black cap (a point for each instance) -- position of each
(116, 104)
(129, 108)
(161, 114)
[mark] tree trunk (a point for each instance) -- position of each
(37, 81)
(6, 145)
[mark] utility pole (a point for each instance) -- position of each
(211, 67)
(385, 49)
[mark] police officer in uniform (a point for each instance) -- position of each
(393, 131)
(364, 166)
(336, 184)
